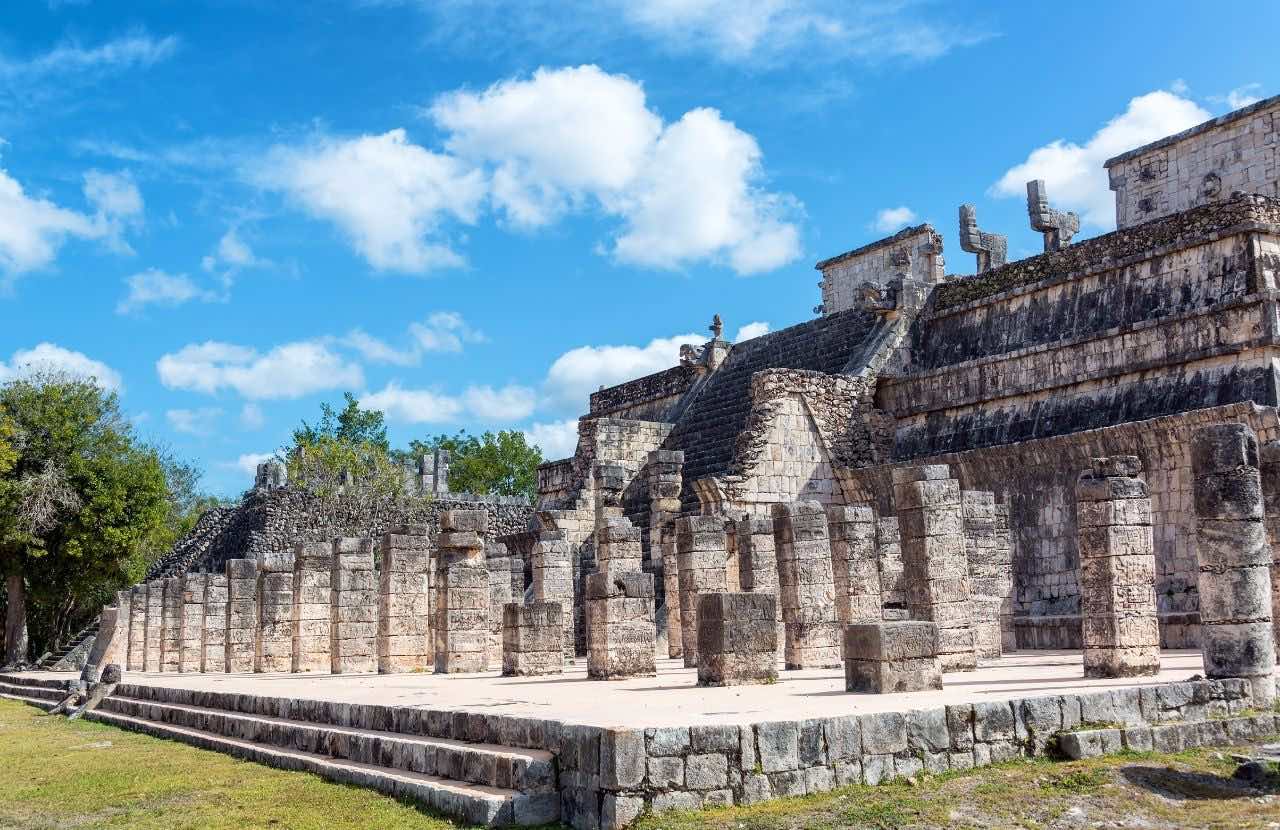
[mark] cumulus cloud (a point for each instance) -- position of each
(1241, 96)
(288, 371)
(891, 219)
(193, 421)
(251, 416)
(1073, 173)
(232, 253)
(156, 287)
(50, 357)
(578, 372)
(576, 137)
(441, 331)
(33, 228)
(556, 439)
(412, 406)
(248, 462)
(751, 330)
(391, 197)
(510, 403)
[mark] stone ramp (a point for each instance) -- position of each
(480, 783)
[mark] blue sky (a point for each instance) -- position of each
(471, 214)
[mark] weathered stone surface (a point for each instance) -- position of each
(406, 614)
(312, 606)
(214, 635)
(988, 550)
(553, 580)
(353, 607)
(274, 647)
(737, 639)
(701, 552)
(191, 625)
(171, 624)
(806, 589)
(242, 615)
(532, 639)
(885, 657)
(461, 613)
(856, 571)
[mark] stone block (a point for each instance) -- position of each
(737, 639)
(532, 639)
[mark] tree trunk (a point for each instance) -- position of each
(15, 623)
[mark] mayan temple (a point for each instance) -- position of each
(948, 521)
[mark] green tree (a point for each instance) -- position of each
(500, 463)
(186, 502)
(352, 426)
(82, 506)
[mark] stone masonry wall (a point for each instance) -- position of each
(843, 275)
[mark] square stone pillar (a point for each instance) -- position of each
(1119, 628)
(124, 601)
(990, 573)
(671, 589)
(213, 642)
(1002, 557)
(806, 586)
(553, 580)
(461, 627)
(935, 568)
(274, 651)
(498, 561)
(312, 606)
(137, 628)
(700, 555)
(242, 614)
(758, 571)
(354, 608)
(191, 628)
(154, 625)
(665, 471)
(854, 564)
(888, 657)
(737, 638)
(1236, 635)
(171, 625)
(1269, 469)
(532, 639)
(889, 554)
(622, 635)
(404, 640)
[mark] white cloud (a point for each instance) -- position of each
(291, 370)
(510, 403)
(391, 197)
(251, 417)
(248, 463)
(1073, 173)
(751, 330)
(441, 331)
(156, 287)
(576, 137)
(412, 406)
(578, 372)
(376, 350)
(32, 228)
(134, 50)
(49, 357)
(233, 253)
(193, 421)
(891, 219)
(1241, 96)
(557, 439)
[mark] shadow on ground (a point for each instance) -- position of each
(1181, 785)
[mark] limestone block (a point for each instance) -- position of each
(888, 657)
(855, 569)
(737, 638)
(620, 619)
(214, 636)
(404, 618)
(191, 635)
(171, 624)
(499, 565)
(137, 628)
(701, 552)
(553, 580)
(242, 615)
(274, 652)
(311, 631)
(461, 614)
(532, 639)
(353, 608)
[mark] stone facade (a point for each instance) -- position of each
(843, 276)
(1235, 559)
(855, 563)
(990, 558)
(354, 607)
(532, 639)
(1207, 163)
(408, 607)
(737, 638)
(311, 631)
(888, 657)
(242, 615)
(1121, 633)
(461, 612)
(936, 570)
(806, 587)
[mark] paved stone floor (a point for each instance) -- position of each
(672, 698)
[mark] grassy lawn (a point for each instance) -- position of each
(59, 774)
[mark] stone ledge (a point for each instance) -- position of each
(1168, 737)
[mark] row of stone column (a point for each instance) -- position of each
(325, 608)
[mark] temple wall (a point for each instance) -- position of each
(843, 275)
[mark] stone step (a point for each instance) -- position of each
(40, 692)
(38, 702)
(472, 803)
(58, 684)
(528, 771)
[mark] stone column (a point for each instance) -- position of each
(462, 593)
(806, 586)
(737, 638)
(275, 615)
(671, 589)
(213, 651)
(532, 639)
(889, 657)
(935, 569)
(354, 608)
(242, 614)
(986, 582)
(154, 624)
(1269, 468)
(171, 625)
(137, 628)
(124, 620)
(312, 606)
(498, 561)
(664, 469)
(1236, 636)
(1002, 557)
(620, 606)
(700, 555)
(191, 627)
(854, 566)
(553, 580)
(1119, 628)
(889, 554)
(404, 641)
(758, 572)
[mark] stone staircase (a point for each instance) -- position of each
(72, 655)
(479, 783)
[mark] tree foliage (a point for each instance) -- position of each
(83, 504)
(499, 463)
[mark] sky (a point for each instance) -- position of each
(470, 214)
